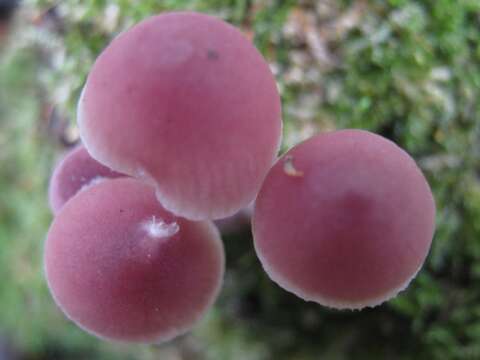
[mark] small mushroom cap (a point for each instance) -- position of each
(184, 101)
(344, 219)
(123, 268)
(75, 171)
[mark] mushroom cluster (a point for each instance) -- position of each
(180, 120)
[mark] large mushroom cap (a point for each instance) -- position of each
(344, 219)
(123, 268)
(185, 101)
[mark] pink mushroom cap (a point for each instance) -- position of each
(123, 268)
(186, 102)
(344, 219)
(77, 170)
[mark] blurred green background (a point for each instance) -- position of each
(406, 69)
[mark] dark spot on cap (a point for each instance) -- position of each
(212, 54)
